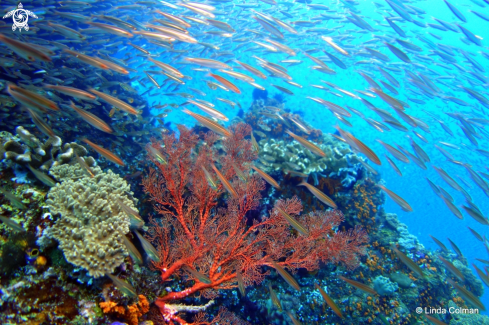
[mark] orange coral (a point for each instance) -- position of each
(111, 307)
(365, 202)
(131, 314)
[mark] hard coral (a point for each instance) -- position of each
(40, 155)
(289, 154)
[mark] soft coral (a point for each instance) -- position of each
(197, 230)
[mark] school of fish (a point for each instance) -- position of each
(172, 49)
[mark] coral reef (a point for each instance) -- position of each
(210, 249)
(363, 203)
(39, 155)
(199, 226)
(405, 240)
(130, 313)
(460, 318)
(73, 171)
(90, 223)
(384, 286)
(48, 297)
(290, 155)
(269, 118)
(352, 187)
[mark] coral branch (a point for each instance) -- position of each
(206, 241)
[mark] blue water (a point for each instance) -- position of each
(431, 216)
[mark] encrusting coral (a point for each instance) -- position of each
(91, 224)
(290, 155)
(384, 287)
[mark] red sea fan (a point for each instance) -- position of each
(203, 238)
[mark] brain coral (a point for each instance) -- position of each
(90, 225)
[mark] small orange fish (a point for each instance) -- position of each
(359, 145)
(329, 301)
(114, 102)
(319, 195)
(197, 275)
(435, 320)
(399, 200)
(92, 119)
(95, 62)
(285, 275)
(452, 268)
(267, 177)
(208, 123)
(104, 152)
(225, 182)
(307, 144)
(241, 285)
(25, 50)
(408, 262)
(294, 223)
(228, 84)
(274, 297)
(31, 99)
(359, 285)
(467, 295)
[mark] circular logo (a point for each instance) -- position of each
(20, 18)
